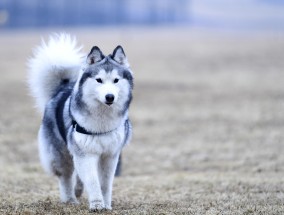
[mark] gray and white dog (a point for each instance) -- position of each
(85, 116)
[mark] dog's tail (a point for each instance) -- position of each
(59, 61)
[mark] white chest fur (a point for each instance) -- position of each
(108, 144)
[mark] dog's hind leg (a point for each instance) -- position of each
(79, 188)
(57, 160)
(64, 170)
(67, 176)
(67, 188)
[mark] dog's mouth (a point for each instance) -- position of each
(109, 103)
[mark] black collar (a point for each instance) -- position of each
(82, 130)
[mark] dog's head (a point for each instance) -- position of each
(106, 80)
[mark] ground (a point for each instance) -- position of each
(208, 118)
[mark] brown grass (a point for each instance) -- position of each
(208, 115)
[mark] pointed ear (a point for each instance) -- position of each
(119, 56)
(95, 55)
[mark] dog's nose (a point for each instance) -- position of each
(109, 98)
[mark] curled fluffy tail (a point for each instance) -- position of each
(60, 59)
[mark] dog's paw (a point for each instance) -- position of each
(97, 205)
(71, 201)
(108, 207)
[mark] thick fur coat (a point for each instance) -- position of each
(84, 102)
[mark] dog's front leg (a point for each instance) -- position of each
(87, 169)
(107, 167)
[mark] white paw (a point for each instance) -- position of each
(97, 205)
(71, 201)
(108, 207)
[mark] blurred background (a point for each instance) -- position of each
(242, 14)
(208, 108)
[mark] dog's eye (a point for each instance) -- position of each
(115, 80)
(99, 80)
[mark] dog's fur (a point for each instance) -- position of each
(85, 116)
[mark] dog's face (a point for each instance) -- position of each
(106, 81)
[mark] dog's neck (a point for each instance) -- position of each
(99, 119)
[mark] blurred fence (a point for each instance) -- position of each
(35, 13)
(232, 14)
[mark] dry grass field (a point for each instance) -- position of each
(208, 117)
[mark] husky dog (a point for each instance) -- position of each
(85, 116)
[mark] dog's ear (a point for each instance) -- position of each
(119, 56)
(95, 55)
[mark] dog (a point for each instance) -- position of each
(84, 100)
